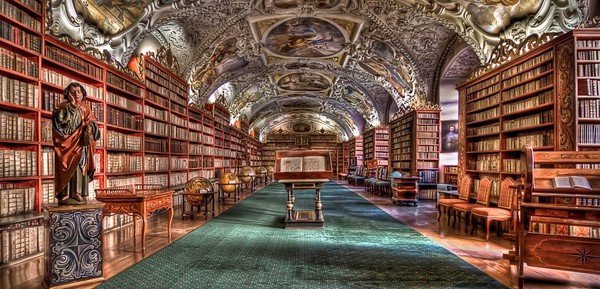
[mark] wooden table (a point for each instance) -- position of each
(304, 218)
(139, 200)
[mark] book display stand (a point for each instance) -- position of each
(303, 170)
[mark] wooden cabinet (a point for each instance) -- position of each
(547, 98)
(415, 144)
(405, 190)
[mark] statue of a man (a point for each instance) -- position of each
(74, 134)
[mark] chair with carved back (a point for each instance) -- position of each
(357, 177)
(371, 172)
(483, 200)
(383, 184)
(504, 211)
(464, 191)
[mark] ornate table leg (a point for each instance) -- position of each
(290, 204)
(318, 205)
(170, 221)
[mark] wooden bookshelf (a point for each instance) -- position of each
(377, 145)
(148, 132)
(355, 147)
(450, 175)
(415, 144)
(547, 98)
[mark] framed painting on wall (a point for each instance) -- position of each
(449, 136)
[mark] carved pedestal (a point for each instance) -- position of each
(73, 252)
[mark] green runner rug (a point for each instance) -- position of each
(247, 247)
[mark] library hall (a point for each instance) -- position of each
(296, 144)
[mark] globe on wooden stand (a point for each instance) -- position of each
(261, 174)
(198, 192)
(246, 174)
(195, 191)
(228, 184)
(270, 171)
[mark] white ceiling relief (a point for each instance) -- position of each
(337, 65)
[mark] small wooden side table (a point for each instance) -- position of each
(141, 201)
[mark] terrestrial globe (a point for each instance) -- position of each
(246, 174)
(270, 170)
(197, 190)
(261, 171)
(228, 182)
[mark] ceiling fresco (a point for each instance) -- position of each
(330, 65)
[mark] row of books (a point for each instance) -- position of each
(156, 163)
(18, 92)
(18, 243)
(536, 138)
(179, 147)
(21, 16)
(541, 99)
(15, 201)
(484, 92)
(544, 82)
(484, 145)
(589, 108)
(588, 55)
(123, 102)
(428, 176)
(18, 163)
(484, 129)
(481, 85)
(484, 162)
(484, 115)
(529, 121)
(422, 164)
(48, 161)
(124, 84)
(71, 60)
(588, 70)
(20, 37)
(542, 58)
(15, 127)
(124, 163)
(588, 133)
(58, 79)
(512, 165)
(564, 230)
(518, 78)
(118, 140)
(484, 102)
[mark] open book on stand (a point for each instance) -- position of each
(568, 182)
(303, 164)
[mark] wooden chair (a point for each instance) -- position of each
(483, 200)
(357, 177)
(504, 211)
(464, 192)
(383, 184)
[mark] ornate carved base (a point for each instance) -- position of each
(73, 253)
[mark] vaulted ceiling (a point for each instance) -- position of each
(338, 65)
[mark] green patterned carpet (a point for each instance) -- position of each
(247, 247)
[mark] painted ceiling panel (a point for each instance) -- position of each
(337, 64)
